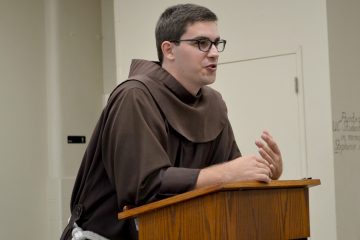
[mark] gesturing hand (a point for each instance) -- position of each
(270, 151)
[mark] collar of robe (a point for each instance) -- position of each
(199, 118)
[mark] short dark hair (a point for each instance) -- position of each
(174, 20)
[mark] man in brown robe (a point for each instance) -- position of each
(164, 132)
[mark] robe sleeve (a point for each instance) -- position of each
(134, 150)
(226, 148)
(234, 149)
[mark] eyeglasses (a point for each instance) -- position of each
(205, 44)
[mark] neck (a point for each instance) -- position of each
(191, 89)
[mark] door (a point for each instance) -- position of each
(266, 93)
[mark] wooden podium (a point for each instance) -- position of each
(246, 210)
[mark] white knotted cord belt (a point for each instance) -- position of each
(79, 234)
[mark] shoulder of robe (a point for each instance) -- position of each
(126, 86)
(201, 121)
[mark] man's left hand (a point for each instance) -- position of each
(270, 151)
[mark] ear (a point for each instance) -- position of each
(167, 49)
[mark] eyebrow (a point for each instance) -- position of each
(203, 37)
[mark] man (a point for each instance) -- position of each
(164, 132)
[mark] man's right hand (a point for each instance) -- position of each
(246, 168)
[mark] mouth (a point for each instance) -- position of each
(211, 67)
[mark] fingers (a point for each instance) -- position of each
(270, 142)
(273, 169)
(266, 156)
(263, 178)
(266, 153)
(263, 170)
(249, 168)
(263, 174)
(271, 162)
(263, 167)
(262, 163)
(270, 150)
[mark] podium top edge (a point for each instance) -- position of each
(272, 184)
(251, 185)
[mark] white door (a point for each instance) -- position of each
(262, 94)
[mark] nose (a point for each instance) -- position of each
(213, 52)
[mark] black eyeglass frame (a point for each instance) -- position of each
(198, 40)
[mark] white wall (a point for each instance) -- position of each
(344, 39)
(51, 87)
(23, 120)
(50, 50)
(108, 45)
(254, 29)
(75, 93)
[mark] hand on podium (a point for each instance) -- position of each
(261, 168)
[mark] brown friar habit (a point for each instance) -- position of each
(150, 142)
